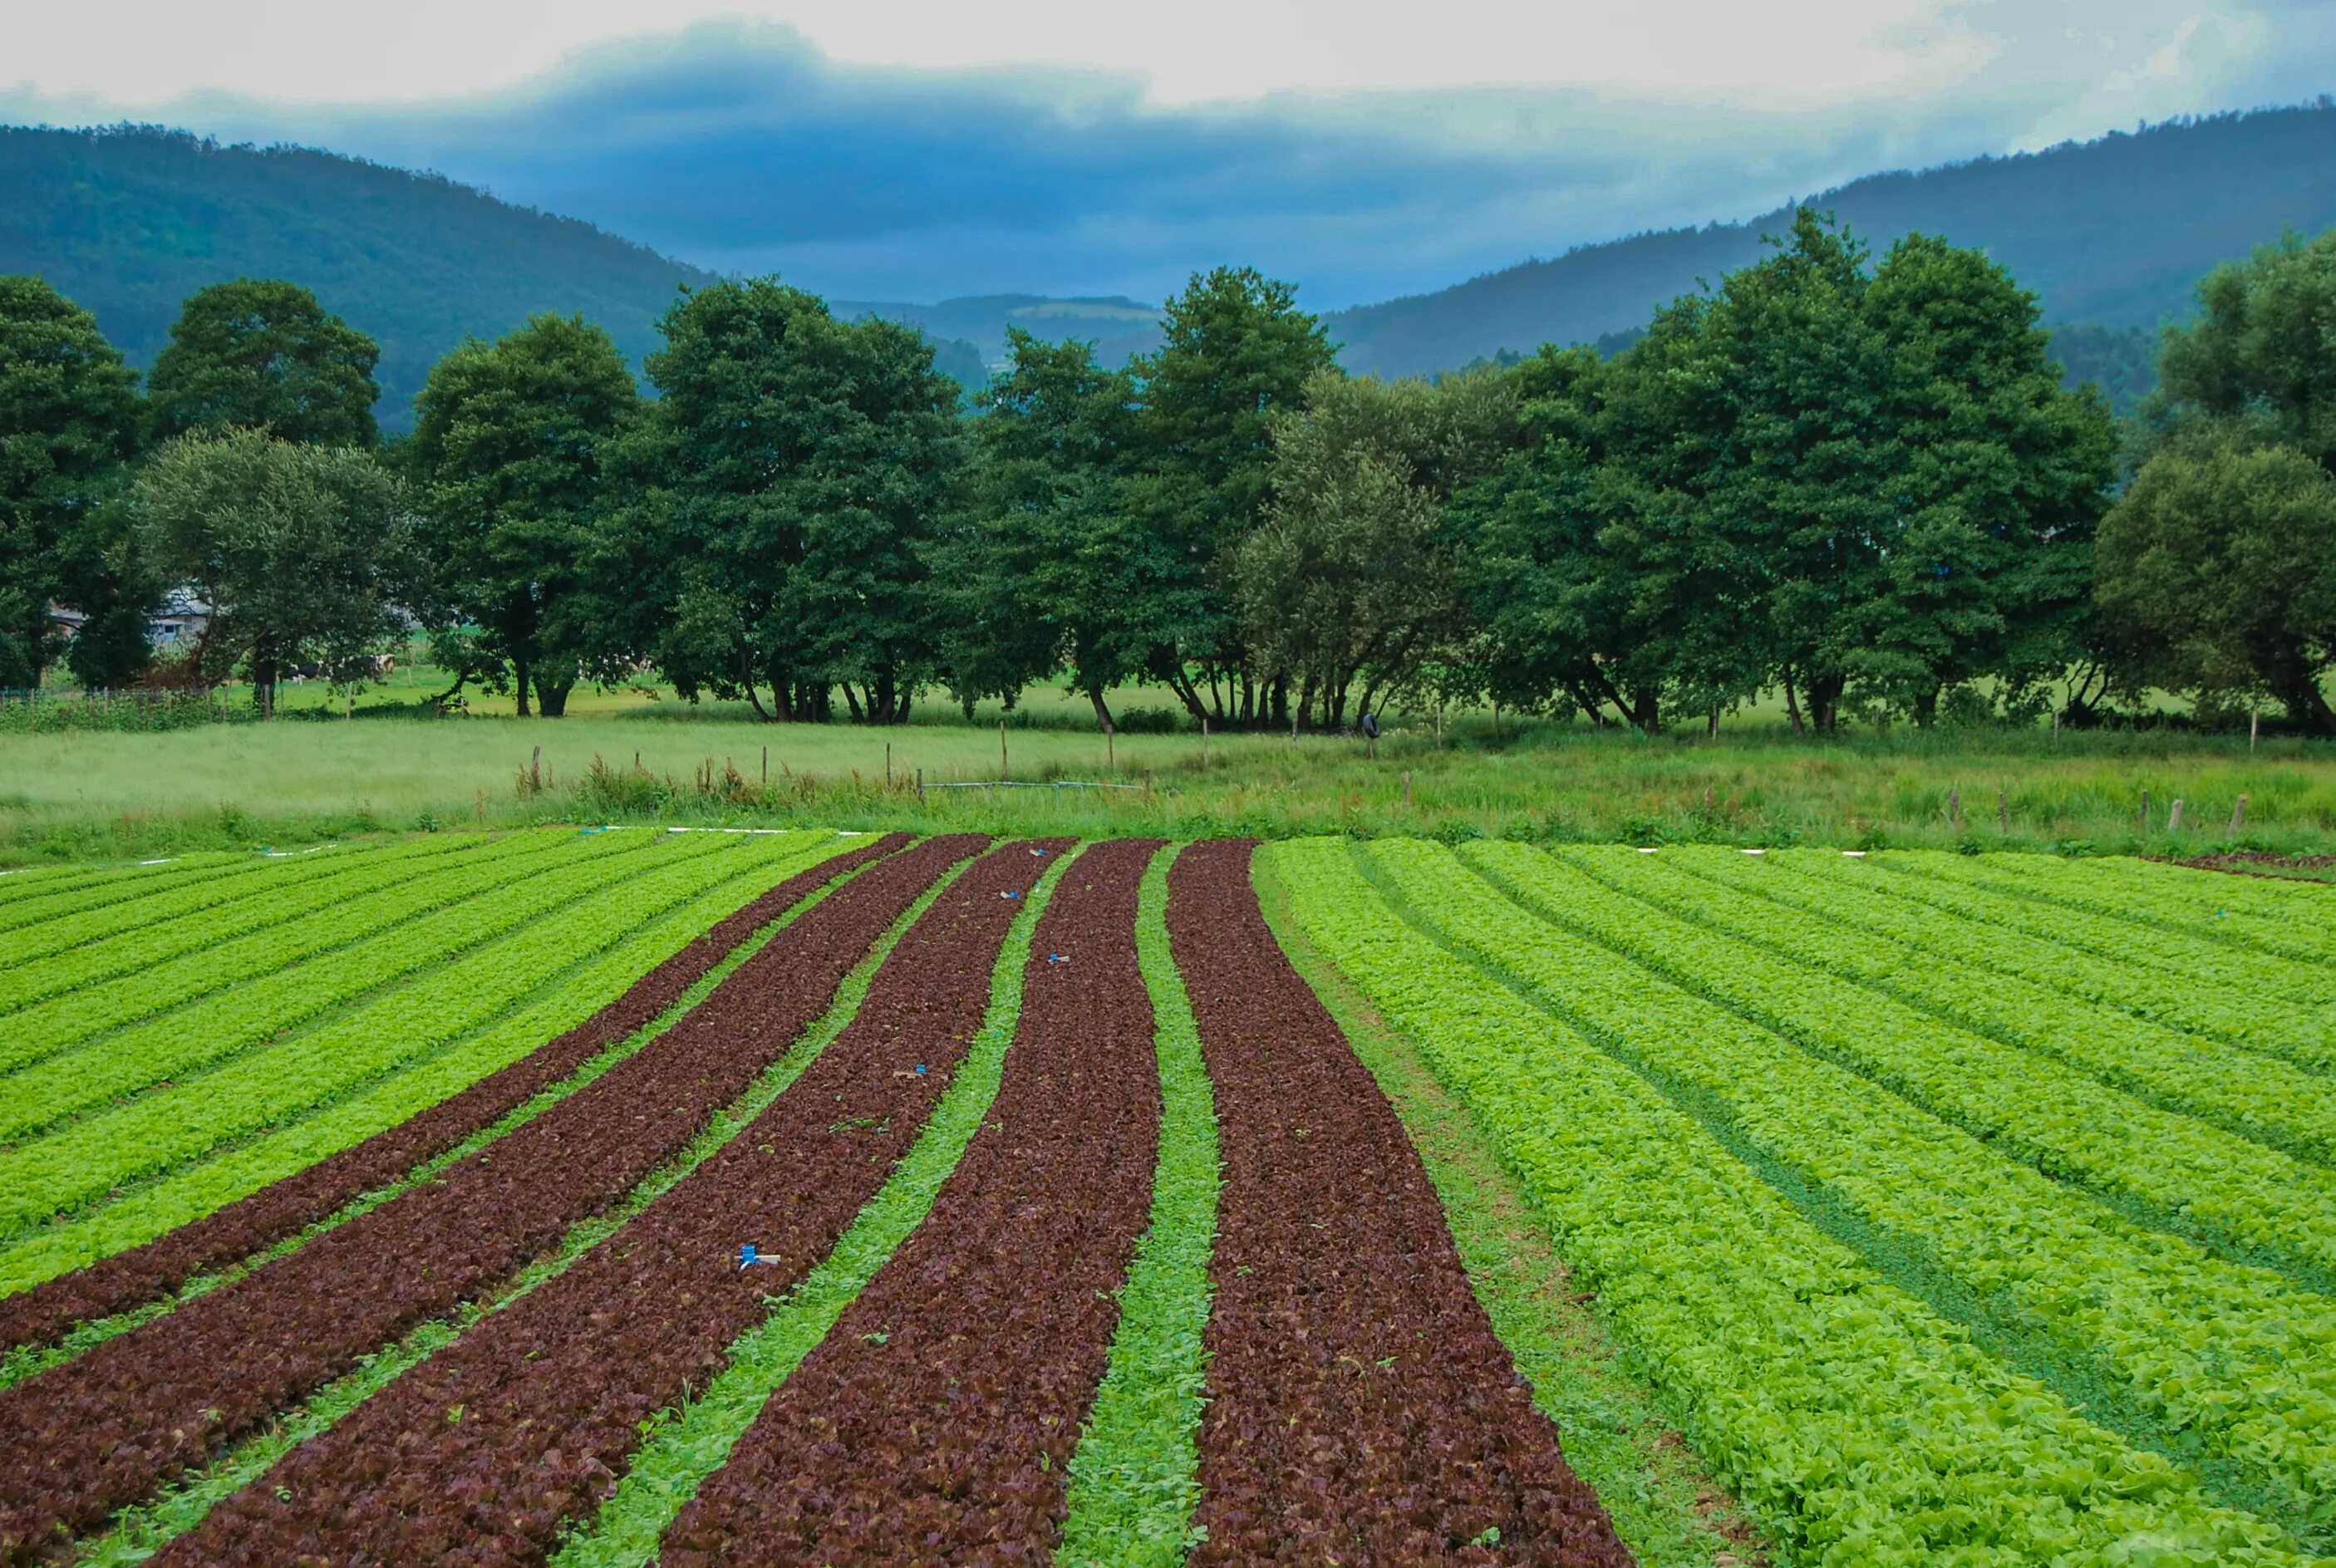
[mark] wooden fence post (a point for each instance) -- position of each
(921, 786)
(1955, 808)
(2145, 813)
(535, 772)
(2239, 814)
(2174, 817)
(1110, 751)
(1407, 789)
(2003, 808)
(1205, 745)
(766, 767)
(1002, 773)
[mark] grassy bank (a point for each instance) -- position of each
(99, 793)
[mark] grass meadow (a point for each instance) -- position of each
(296, 780)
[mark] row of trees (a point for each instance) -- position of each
(1859, 483)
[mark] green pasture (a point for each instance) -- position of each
(293, 780)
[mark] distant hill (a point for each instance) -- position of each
(2112, 234)
(129, 222)
(1119, 327)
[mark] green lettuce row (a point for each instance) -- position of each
(30, 1360)
(24, 950)
(1666, 1503)
(142, 949)
(444, 1001)
(1936, 913)
(566, 999)
(1946, 881)
(37, 882)
(2193, 909)
(181, 1047)
(249, 940)
(131, 882)
(1868, 1431)
(2219, 1188)
(688, 1444)
(2228, 1361)
(1135, 1477)
(2255, 1095)
(139, 1532)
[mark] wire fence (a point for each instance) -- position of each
(24, 710)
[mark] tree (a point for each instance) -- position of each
(781, 492)
(2261, 356)
(1349, 577)
(262, 353)
(2217, 575)
(1054, 563)
(507, 455)
(69, 419)
(1235, 350)
(303, 552)
(2004, 476)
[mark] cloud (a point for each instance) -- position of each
(743, 147)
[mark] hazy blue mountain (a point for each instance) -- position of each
(1117, 325)
(2111, 233)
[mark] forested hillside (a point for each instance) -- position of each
(2113, 233)
(130, 221)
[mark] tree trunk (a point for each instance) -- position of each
(1926, 707)
(1647, 710)
(551, 696)
(263, 686)
(2299, 692)
(1280, 698)
(521, 669)
(1793, 707)
(852, 697)
(1101, 713)
(1825, 702)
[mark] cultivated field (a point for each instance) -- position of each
(615, 1196)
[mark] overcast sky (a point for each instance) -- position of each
(896, 150)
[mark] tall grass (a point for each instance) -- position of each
(97, 794)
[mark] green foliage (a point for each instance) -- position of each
(1866, 486)
(442, 977)
(779, 492)
(507, 454)
(1049, 568)
(303, 552)
(1236, 350)
(1350, 576)
(2217, 575)
(2261, 356)
(1135, 1477)
(262, 354)
(605, 948)
(1792, 1363)
(69, 419)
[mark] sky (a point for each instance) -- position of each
(881, 149)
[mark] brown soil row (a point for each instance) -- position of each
(1361, 1409)
(935, 1423)
(102, 1431)
(479, 1454)
(142, 1274)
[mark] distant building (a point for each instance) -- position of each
(178, 622)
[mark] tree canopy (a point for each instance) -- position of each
(262, 353)
(69, 421)
(507, 455)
